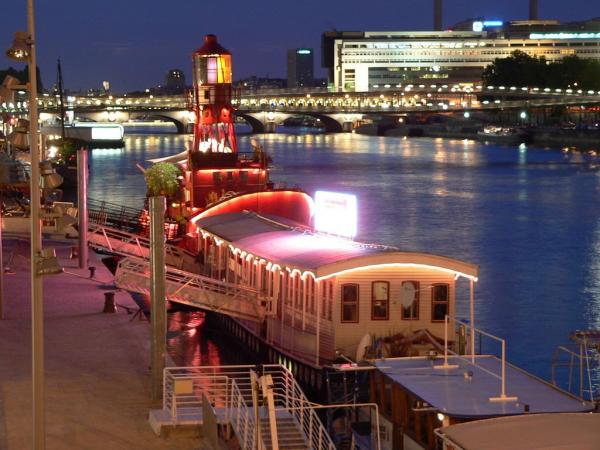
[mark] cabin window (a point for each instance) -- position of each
(410, 290)
(216, 178)
(244, 177)
(350, 303)
(380, 300)
(440, 299)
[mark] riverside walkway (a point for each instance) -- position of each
(97, 365)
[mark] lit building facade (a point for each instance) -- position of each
(364, 61)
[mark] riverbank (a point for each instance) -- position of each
(97, 365)
(545, 137)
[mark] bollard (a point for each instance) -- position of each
(109, 303)
(92, 270)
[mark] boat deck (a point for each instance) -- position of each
(466, 391)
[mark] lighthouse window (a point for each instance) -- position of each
(350, 303)
(380, 300)
(440, 300)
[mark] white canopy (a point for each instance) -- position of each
(536, 431)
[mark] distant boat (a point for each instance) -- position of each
(505, 135)
(94, 133)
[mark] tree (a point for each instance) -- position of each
(519, 69)
(161, 179)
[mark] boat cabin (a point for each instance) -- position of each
(324, 294)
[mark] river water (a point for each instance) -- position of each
(528, 217)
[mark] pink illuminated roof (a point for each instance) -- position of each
(281, 242)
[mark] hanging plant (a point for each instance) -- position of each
(161, 179)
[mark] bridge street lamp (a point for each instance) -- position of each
(23, 49)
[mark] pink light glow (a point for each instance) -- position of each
(335, 213)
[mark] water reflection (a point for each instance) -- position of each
(529, 217)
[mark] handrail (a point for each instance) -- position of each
(291, 398)
(503, 397)
(204, 292)
(130, 244)
(236, 393)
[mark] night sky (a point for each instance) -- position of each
(132, 43)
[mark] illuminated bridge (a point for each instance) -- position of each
(337, 111)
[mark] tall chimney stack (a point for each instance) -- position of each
(533, 9)
(437, 15)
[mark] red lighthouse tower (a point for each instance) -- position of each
(215, 170)
(213, 130)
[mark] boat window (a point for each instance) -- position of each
(410, 310)
(380, 300)
(350, 303)
(439, 302)
(216, 178)
(244, 177)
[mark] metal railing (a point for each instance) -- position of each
(196, 290)
(472, 360)
(183, 388)
(130, 244)
(113, 214)
(229, 390)
(290, 397)
(582, 360)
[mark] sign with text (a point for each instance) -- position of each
(335, 213)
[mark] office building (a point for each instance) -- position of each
(300, 67)
(364, 61)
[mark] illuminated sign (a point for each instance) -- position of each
(480, 25)
(335, 213)
(303, 51)
(107, 133)
(564, 36)
(492, 23)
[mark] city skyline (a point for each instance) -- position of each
(133, 44)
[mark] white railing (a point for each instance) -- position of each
(290, 397)
(196, 290)
(472, 360)
(130, 244)
(183, 388)
(229, 390)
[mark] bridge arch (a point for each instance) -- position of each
(257, 125)
(331, 124)
(181, 127)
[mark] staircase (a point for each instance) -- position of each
(240, 396)
(289, 436)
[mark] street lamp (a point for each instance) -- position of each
(23, 49)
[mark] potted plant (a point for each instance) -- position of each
(161, 179)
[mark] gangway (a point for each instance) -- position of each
(196, 290)
(264, 406)
(124, 243)
(124, 218)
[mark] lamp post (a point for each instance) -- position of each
(23, 49)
